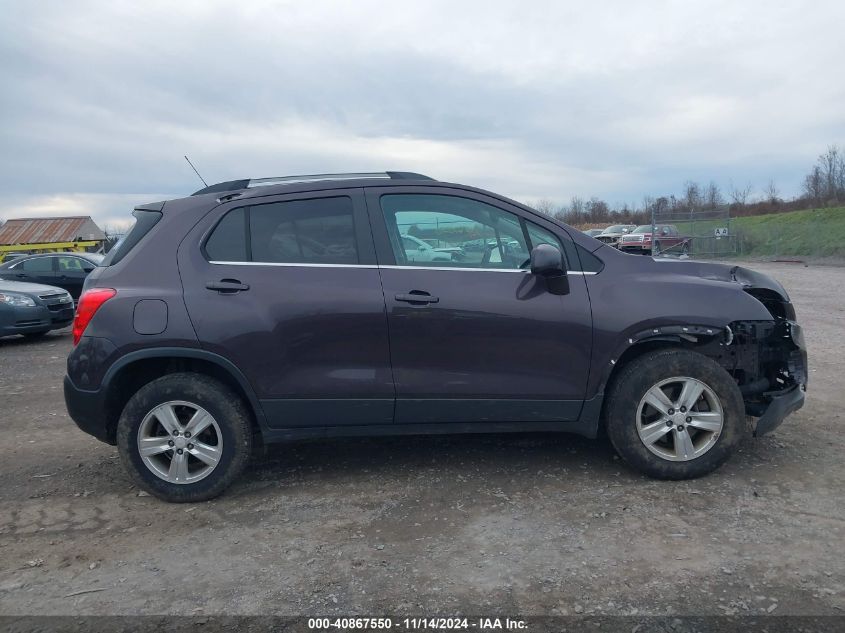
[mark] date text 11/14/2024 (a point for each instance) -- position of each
(416, 624)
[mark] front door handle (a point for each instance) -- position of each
(417, 296)
(227, 286)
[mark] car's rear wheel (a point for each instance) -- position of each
(675, 414)
(184, 437)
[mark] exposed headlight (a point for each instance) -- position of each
(14, 299)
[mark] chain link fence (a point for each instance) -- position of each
(705, 234)
(808, 235)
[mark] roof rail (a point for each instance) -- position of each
(234, 185)
(371, 175)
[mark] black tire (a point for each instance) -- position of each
(227, 409)
(632, 383)
(34, 336)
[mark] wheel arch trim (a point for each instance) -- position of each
(188, 353)
(672, 334)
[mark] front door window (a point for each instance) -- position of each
(438, 230)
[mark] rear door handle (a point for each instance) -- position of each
(417, 296)
(227, 286)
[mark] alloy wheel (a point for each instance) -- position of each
(679, 419)
(180, 442)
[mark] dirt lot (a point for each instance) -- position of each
(479, 524)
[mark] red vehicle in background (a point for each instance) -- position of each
(665, 239)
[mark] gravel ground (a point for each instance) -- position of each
(499, 524)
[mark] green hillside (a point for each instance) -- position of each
(810, 233)
(813, 233)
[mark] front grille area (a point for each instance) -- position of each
(28, 322)
(57, 301)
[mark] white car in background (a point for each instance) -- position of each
(416, 250)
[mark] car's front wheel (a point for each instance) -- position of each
(184, 437)
(675, 414)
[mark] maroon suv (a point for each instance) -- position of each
(259, 311)
(661, 238)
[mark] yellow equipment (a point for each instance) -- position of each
(51, 247)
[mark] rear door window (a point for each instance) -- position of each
(318, 231)
(38, 265)
(315, 231)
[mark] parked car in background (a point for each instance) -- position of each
(592, 232)
(64, 270)
(417, 250)
(666, 239)
(10, 256)
(202, 334)
(32, 309)
(612, 234)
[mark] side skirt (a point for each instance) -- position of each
(587, 426)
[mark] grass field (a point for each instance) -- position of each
(810, 233)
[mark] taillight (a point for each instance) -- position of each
(89, 303)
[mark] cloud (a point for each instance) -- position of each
(538, 100)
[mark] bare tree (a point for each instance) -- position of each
(831, 166)
(772, 192)
(597, 211)
(546, 207)
(574, 214)
(814, 186)
(692, 195)
(740, 195)
(713, 196)
(830, 161)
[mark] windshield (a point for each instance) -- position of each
(646, 228)
(616, 228)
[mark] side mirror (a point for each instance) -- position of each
(547, 262)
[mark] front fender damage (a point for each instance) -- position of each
(767, 359)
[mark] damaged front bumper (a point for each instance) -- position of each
(778, 408)
(782, 362)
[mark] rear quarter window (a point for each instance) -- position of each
(227, 242)
(144, 221)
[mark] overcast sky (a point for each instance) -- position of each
(100, 100)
